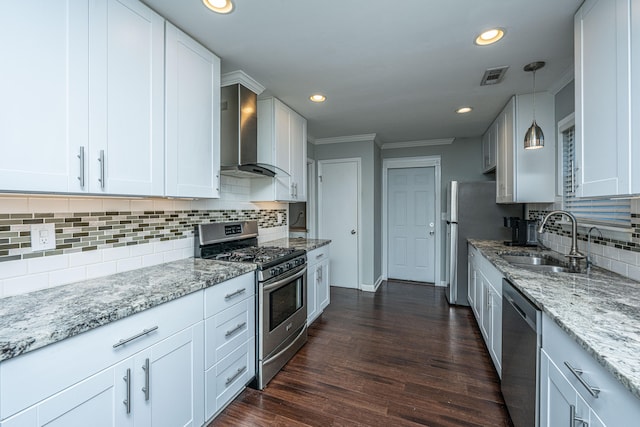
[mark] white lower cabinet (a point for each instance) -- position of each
(485, 298)
(573, 386)
(159, 377)
(230, 349)
(318, 294)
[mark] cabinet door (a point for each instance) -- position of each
(175, 376)
(93, 401)
(126, 107)
(298, 156)
(485, 326)
(44, 87)
(312, 292)
(557, 397)
(471, 280)
(283, 182)
(505, 154)
(602, 97)
(496, 331)
(192, 117)
(489, 140)
(324, 293)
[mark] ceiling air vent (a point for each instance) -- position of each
(493, 76)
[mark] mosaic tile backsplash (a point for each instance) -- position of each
(611, 251)
(89, 231)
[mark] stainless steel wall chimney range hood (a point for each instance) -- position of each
(239, 134)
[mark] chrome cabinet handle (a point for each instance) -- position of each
(353, 231)
(236, 329)
(234, 376)
(81, 157)
(573, 418)
(593, 391)
(234, 294)
(127, 400)
(101, 160)
(319, 256)
(126, 340)
(145, 389)
(218, 181)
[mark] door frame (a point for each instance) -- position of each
(404, 163)
(312, 229)
(358, 162)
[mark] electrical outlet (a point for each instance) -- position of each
(43, 237)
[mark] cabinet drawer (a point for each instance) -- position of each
(29, 378)
(615, 404)
(317, 255)
(492, 274)
(229, 377)
(229, 329)
(228, 293)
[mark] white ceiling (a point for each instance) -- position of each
(397, 69)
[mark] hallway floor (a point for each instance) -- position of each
(399, 357)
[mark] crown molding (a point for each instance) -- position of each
(423, 143)
(351, 138)
(566, 78)
(239, 76)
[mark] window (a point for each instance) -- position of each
(611, 212)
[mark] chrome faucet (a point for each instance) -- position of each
(589, 261)
(574, 256)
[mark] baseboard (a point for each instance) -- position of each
(442, 283)
(371, 288)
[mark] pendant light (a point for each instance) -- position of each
(534, 138)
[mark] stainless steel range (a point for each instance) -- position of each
(281, 288)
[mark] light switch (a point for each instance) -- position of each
(43, 237)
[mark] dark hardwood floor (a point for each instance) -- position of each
(399, 357)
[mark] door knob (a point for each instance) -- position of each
(353, 231)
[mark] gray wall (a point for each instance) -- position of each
(460, 161)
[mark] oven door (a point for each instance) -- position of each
(283, 309)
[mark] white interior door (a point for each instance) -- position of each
(338, 194)
(412, 224)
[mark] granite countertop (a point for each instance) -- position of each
(297, 243)
(36, 319)
(600, 310)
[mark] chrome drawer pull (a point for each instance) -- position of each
(236, 329)
(81, 157)
(127, 401)
(319, 256)
(136, 336)
(593, 391)
(145, 389)
(234, 376)
(573, 418)
(234, 294)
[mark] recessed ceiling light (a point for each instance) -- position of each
(318, 98)
(463, 110)
(490, 36)
(219, 6)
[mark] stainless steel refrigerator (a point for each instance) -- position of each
(472, 212)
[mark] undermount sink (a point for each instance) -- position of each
(530, 260)
(538, 263)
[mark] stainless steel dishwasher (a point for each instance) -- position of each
(521, 326)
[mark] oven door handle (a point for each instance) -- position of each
(281, 352)
(285, 280)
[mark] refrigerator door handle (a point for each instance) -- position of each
(453, 262)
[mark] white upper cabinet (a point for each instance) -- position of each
(44, 94)
(607, 134)
(126, 99)
(489, 141)
(192, 118)
(282, 142)
(526, 176)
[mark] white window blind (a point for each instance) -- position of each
(611, 212)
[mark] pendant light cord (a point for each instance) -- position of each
(534, 95)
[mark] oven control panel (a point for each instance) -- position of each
(282, 268)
